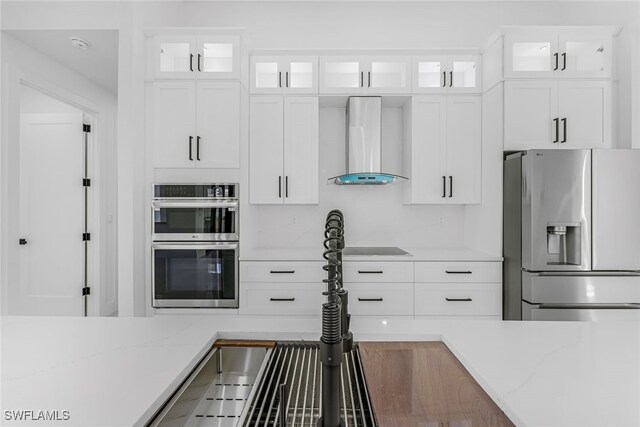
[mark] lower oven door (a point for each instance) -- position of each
(195, 274)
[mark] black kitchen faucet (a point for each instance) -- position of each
(336, 338)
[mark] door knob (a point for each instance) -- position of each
(22, 241)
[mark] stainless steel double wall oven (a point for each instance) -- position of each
(195, 245)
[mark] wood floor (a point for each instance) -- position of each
(423, 384)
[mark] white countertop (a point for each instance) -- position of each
(119, 371)
(417, 254)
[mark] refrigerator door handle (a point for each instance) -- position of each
(631, 306)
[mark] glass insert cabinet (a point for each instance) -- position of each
(284, 74)
(204, 57)
(447, 74)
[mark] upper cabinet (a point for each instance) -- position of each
(202, 57)
(557, 114)
(558, 53)
(196, 124)
(447, 74)
(365, 74)
(284, 74)
(443, 155)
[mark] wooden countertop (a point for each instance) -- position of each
(423, 384)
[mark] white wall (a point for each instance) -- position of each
(24, 64)
(288, 25)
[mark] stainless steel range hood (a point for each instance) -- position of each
(364, 144)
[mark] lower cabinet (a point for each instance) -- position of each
(287, 299)
(380, 299)
(458, 299)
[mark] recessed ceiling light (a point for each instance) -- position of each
(79, 43)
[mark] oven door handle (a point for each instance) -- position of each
(195, 245)
(195, 204)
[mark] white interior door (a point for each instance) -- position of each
(51, 216)
(428, 149)
(530, 108)
(301, 149)
(266, 157)
(464, 149)
(217, 142)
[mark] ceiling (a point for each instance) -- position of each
(99, 63)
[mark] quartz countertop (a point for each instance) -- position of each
(416, 254)
(119, 371)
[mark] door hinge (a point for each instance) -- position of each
(86, 237)
(86, 182)
(86, 128)
(86, 291)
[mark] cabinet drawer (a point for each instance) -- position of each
(458, 299)
(380, 299)
(282, 271)
(458, 272)
(289, 299)
(377, 272)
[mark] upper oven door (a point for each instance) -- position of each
(195, 274)
(200, 220)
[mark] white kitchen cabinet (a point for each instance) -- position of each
(282, 271)
(380, 299)
(365, 74)
(444, 150)
(447, 74)
(557, 114)
(283, 150)
(376, 272)
(568, 53)
(196, 124)
(202, 57)
(469, 289)
(277, 299)
(284, 74)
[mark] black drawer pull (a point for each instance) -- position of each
(282, 299)
(459, 299)
(370, 272)
(370, 299)
(458, 272)
(282, 271)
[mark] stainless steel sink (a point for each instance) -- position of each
(259, 386)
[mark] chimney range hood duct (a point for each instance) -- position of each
(364, 144)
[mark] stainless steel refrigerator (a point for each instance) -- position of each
(571, 237)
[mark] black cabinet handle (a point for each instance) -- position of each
(282, 299)
(444, 79)
(191, 61)
(198, 148)
(564, 132)
(22, 242)
(286, 186)
(564, 61)
(369, 79)
(279, 78)
(286, 79)
(557, 130)
(361, 78)
(190, 148)
(282, 271)
(280, 186)
(370, 271)
(450, 186)
(556, 56)
(444, 186)
(450, 78)
(370, 299)
(459, 299)
(199, 56)
(458, 272)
